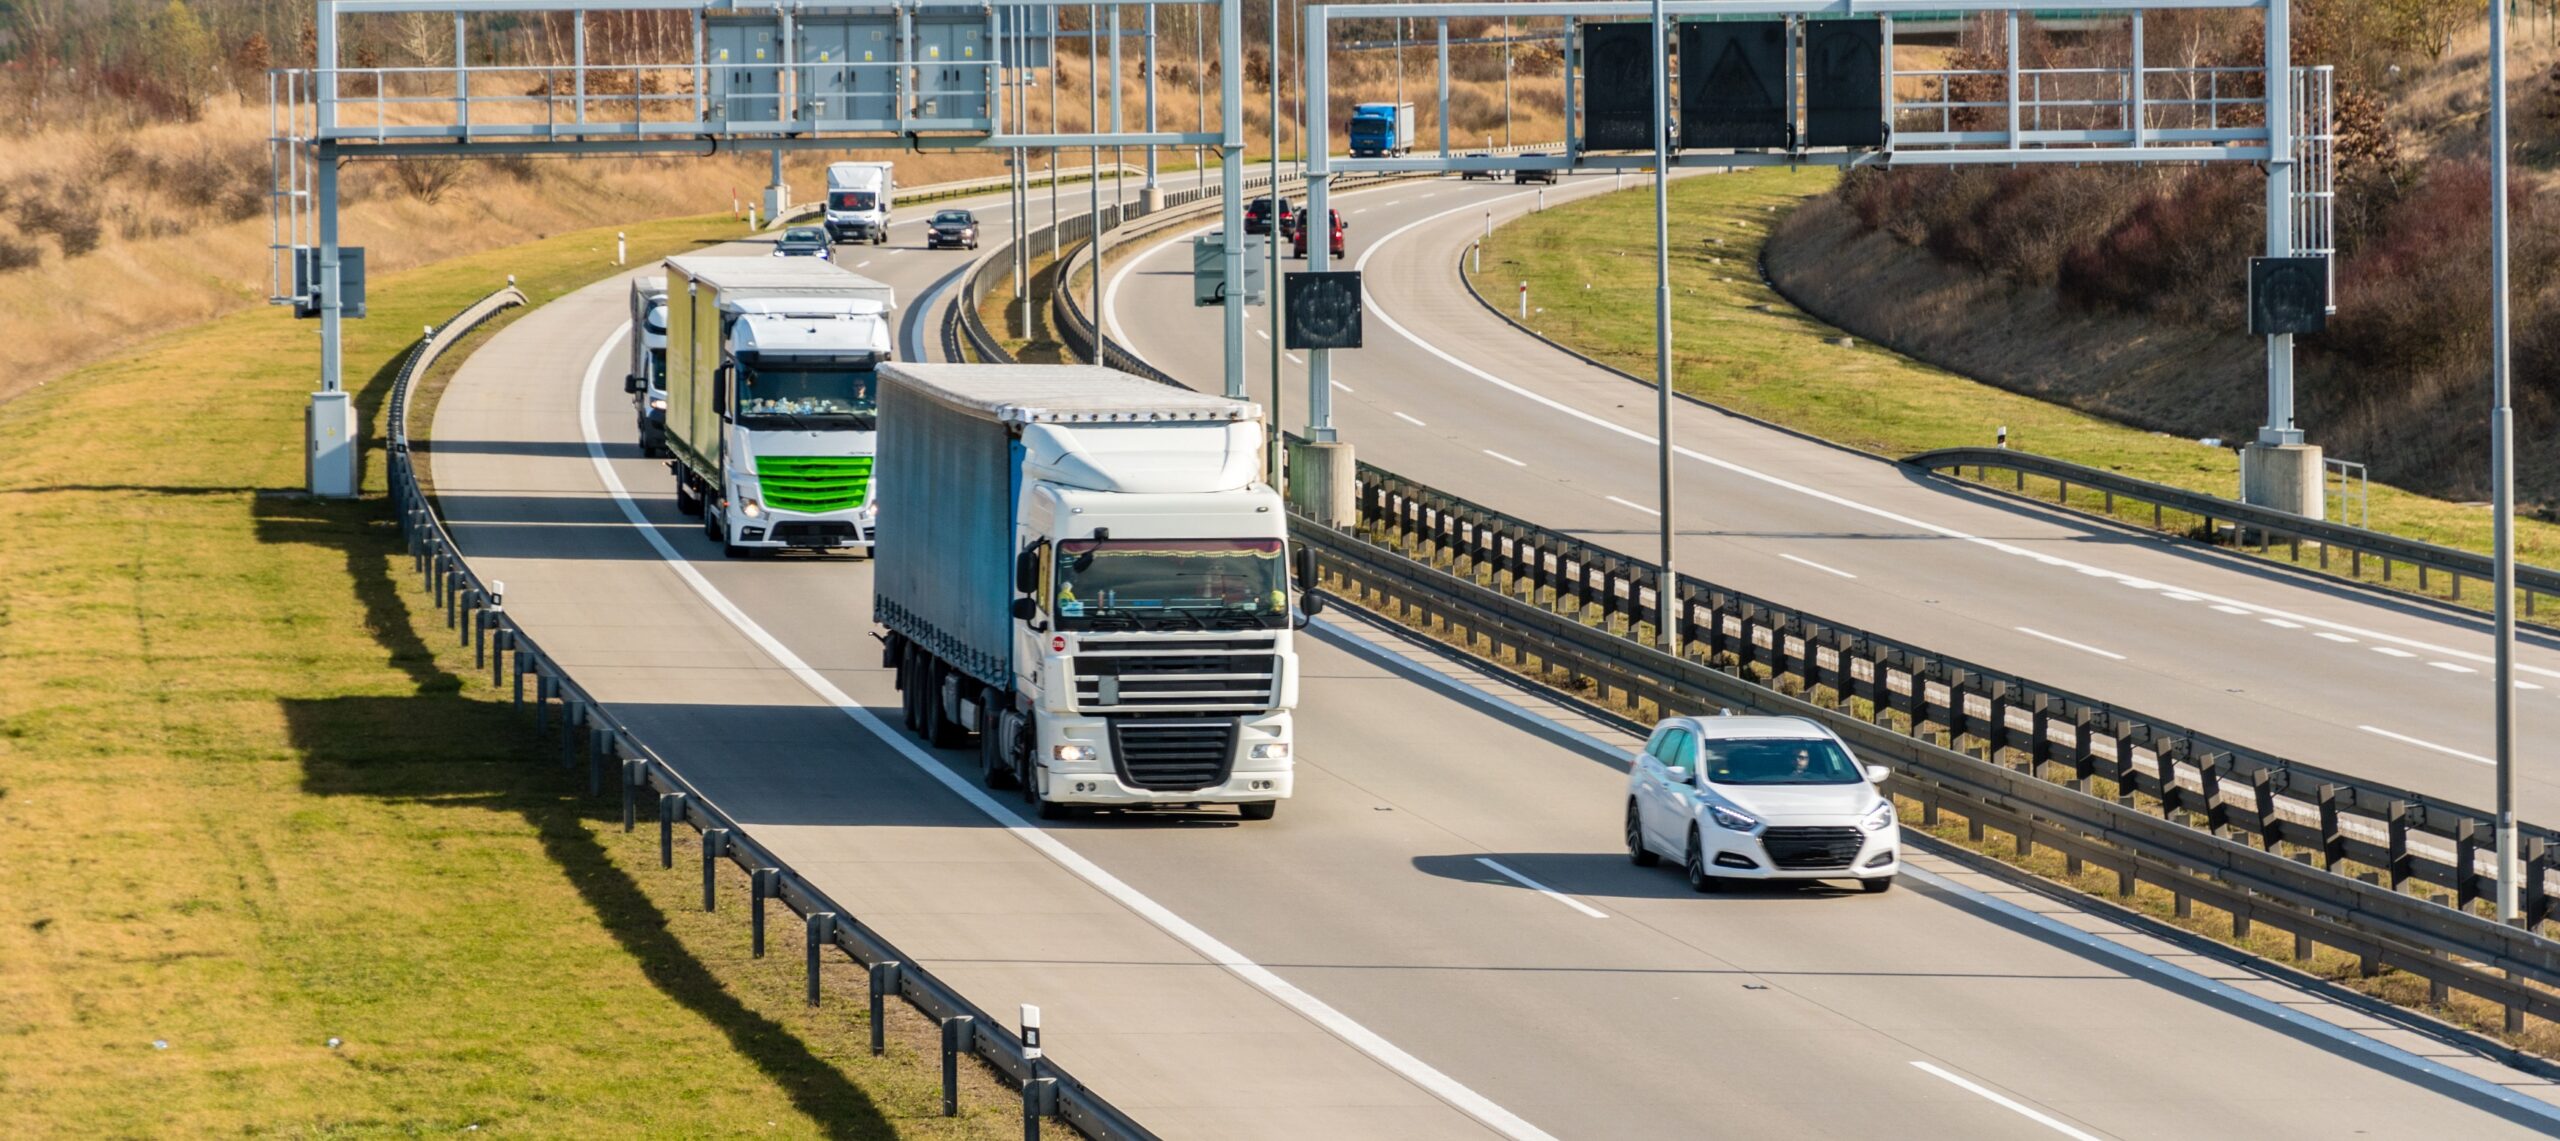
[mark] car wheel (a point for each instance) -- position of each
(1700, 880)
(1876, 886)
(1641, 856)
(1259, 810)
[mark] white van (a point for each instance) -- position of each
(858, 199)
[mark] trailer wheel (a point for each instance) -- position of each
(940, 731)
(911, 690)
(687, 503)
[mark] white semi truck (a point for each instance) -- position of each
(772, 399)
(1085, 569)
(858, 199)
(647, 381)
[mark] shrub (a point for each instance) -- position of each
(18, 253)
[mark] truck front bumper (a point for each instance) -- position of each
(1106, 780)
(789, 531)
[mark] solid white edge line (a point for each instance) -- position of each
(2356, 1047)
(1543, 889)
(1410, 420)
(1636, 505)
(1815, 565)
(2034, 633)
(1314, 1009)
(2020, 1108)
(2405, 739)
(1504, 458)
(1381, 313)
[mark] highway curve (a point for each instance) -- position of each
(1360, 967)
(2345, 678)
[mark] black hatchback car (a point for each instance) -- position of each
(803, 242)
(956, 228)
(1257, 217)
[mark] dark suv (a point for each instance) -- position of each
(1532, 174)
(1257, 217)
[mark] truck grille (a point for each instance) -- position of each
(1173, 754)
(1809, 849)
(814, 483)
(1220, 674)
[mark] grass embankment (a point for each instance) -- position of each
(282, 865)
(1738, 343)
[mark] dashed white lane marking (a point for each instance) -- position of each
(2231, 609)
(1409, 420)
(1504, 458)
(861, 264)
(2393, 651)
(1076, 863)
(2450, 667)
(2405, 739)
(2035, 633)
(2020, 1108)
(1544, 890)
(2281, 624)
(1340, 385)
(2175, 596)
(2334, 637)
(1294, 359)
(2526, 685)
(1636, 505)
(1265, 334)
(1815, 565)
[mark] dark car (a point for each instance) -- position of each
(803, 242)
(1528, 174)
(1257, 217)
(1487, 175)
(1301, 242)
(952, 228)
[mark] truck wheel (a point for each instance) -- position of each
(687, 503)
(1259, 810)
(995, 754)
(940, 731)
(909, 687)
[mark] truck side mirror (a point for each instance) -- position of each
(720, 389)
(1024, 608)
(1306, 566)
(634, 383)
(1026, 571)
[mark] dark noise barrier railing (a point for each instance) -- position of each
(2266, 527)
(2205, 818)
(650, 785)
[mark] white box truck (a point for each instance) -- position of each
(858, 199)
(1085, 569)
(647, 381)
(772, 399)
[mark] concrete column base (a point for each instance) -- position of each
(1324, 483)
(2286, 477)
(330, 445)
(777, 199)
(1152, 199)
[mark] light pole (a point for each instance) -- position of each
(1271, 288)
(2502, 464)
(1506, 75)
(1666, 586)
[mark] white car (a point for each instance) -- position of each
(1760, 798)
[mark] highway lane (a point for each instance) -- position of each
(1446, 393)
(1354, 961)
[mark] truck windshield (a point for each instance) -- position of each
(854, 200)
(657, 368)
(1171, 584)
(783, 394)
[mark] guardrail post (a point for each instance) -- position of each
(2333, 841)
(2262, 800)
(2466, 851)
(762, 884)
(670, 806)
(470, 609)
(519, 670)
(2217, 815)
(885, 981)
(541, 696)
(715, 844)
(2398, 861)
(1039, 1099)
(822, 930)
(2536, 898)
(635, 772)
(573, 713)
(599, 743)
(959, 1032)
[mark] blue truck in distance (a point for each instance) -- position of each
(1381, 129)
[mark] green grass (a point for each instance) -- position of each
(257, 800)
(1739, 344)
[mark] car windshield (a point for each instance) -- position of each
(807, 394)
(953, 218)
(803, 234)
(1786, 760)
(1171, 584)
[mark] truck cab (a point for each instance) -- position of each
(858, 200)
(1381, 129)
(803, 409)
(647, 380)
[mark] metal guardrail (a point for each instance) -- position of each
(2237, 867)
(586, 728)
(2269, 527)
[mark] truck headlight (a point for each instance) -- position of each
(1731, 820)
(1271, 751)
(1880, 819)
(657, 403)
(751, 509)
(1070, 754)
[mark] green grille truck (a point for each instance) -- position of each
(773, 401)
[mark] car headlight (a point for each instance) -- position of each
(658, 403)
(1880, 819)
(1732, 820)
(751, 509)
(1073, 753)
(1271, 751)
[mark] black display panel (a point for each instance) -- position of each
(1733, 85)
